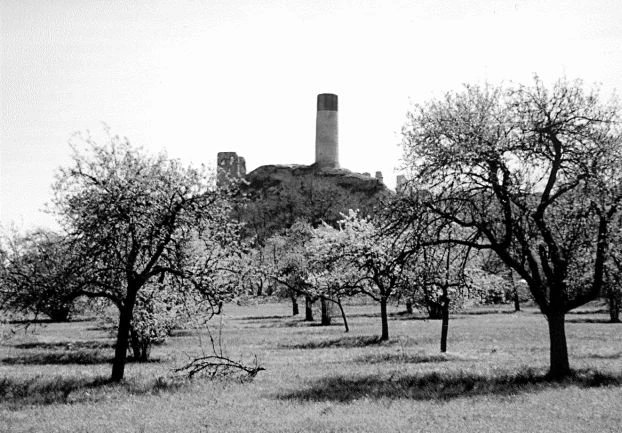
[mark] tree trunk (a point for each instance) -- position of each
(384, 319)
(516, 300)
(515, 292)
(435, 310)
(559, 365)
(326, 319)
(270, 290)
(444, 323)
(125, 320)
(308, 309)
(295, 310)
(343, 315)
(134, 343)
(59, 314)
(409, 307)
(141, 349)
(614, 307)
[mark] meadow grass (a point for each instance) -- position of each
(320, 379)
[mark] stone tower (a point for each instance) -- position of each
(230, 167)
(327, 132)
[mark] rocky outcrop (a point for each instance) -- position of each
(279, 195)
(274, 176)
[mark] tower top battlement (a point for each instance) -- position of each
(327, 102)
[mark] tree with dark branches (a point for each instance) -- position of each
(40, 273)
(530, 173)
(134, 217)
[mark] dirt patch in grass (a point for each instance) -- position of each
(442, 386)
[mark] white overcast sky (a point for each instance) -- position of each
(196, 77)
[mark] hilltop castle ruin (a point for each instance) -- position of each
(280, 195)
(231, 166)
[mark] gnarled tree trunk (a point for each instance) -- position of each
(559, 364)
(445, 322)
(125, 321)
(295, 310)
(343, 315)
(514, 291)
(409, 307)
(435, 310)
(141, 349)
(326, 319)
(308, 308)
(384, 319)
(59, 314)
(614, 306)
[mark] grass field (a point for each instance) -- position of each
(320, 379)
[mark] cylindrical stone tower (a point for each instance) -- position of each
(327, 132)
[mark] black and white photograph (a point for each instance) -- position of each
(232, 216)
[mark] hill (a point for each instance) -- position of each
(278, 195)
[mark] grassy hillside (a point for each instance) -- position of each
(320, 379)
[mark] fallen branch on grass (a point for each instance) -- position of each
(218, 366)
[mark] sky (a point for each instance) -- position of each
(196, 77)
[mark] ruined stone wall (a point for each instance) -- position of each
(230, 167)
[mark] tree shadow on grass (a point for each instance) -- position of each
(76, 345)
(185, 333)
(345, 342)
(287, 322)
(66, 358)
(588, 320)
(398, 315)
(284, 322)
(275, 317)
(406, 358)
(589, 311)
(63, 353)
(109, 329)
(603, 356)
(337, 323)
(442, 386)
(486, 311)
(43, 320)
(60, 358)
(16, 393)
